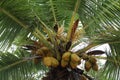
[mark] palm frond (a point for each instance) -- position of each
(23, 38)
(112, 66)
(102, 25)
(101, 22)
(17, 67)
(96, 15)
(112, 37)
(13, 15)
(99, 75)
(62, 11)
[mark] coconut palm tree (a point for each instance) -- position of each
(38, 38)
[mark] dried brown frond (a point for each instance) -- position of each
(78, 34)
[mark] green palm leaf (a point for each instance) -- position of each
(18, 66)
(13, 15)
(111, 36)
(96, 15)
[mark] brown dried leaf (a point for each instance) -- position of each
(95, 52)
(78, 34)
(75, 25)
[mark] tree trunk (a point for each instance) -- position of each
(60, 73)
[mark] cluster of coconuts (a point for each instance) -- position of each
(68, 59)
(46, 56)
(50, 61)
(71, 59)
(91, 62)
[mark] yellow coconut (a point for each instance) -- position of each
(92, 59)
(66, 56)
(95, 67)
(54, 62)
(45, 50)
(87, 65)
(47, 61)
(64, 63)
(75, 58)
(73, 65)
(84, 56)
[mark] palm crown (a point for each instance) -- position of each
(45, 31)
